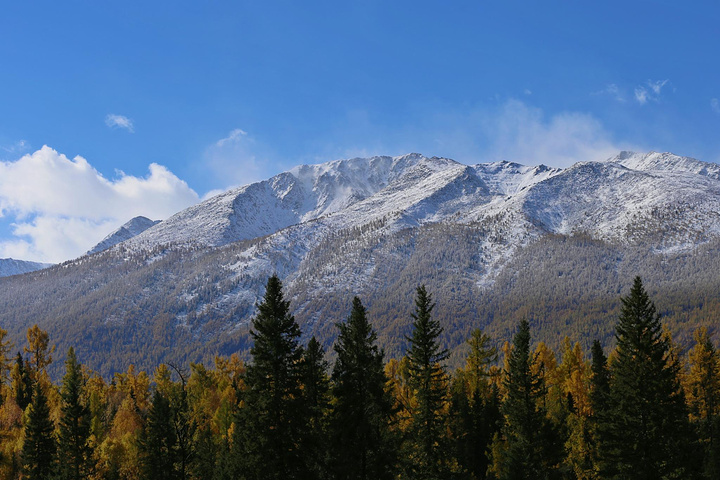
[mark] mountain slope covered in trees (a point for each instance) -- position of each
(495, 243)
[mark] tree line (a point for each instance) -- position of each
(643, 411)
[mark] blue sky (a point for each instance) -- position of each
(167, 101)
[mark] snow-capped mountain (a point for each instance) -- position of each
(377, 227)
(10, 266)
(131, 229)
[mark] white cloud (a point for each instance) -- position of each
(234, 136)
(518, 132)
(649, 91)
(15, 148)
(119, 121)
(715, 105)
(237, 159)
(613, 91)
(60, 207)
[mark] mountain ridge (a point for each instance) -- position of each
(378, 227)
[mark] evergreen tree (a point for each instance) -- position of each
(475, 408)
(363, 446)
(21, 383)
(524, 453)
(273, 420)
(316, 388)
(427, 447)
(74, 452)
(38, 453)
(647, 430)
(158, 444)
(599, 403)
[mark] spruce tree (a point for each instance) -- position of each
(74, 452)
(599, 403)
(363, 447)
(316, 397)
(21, 382)
(647, 430)
(271, 424)
(524, 453)
(158, 443)
(38, 453)
(427, 452)
(475, 408)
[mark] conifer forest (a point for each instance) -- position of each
(516, 409)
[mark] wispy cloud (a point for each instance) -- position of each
(119, 121)
(613, 91)
(524, 134)
(237, 159)
(715, 105)
(233, 136)
(18, 147)
(650, 91)
(61, 207)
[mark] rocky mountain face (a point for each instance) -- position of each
(493, 242)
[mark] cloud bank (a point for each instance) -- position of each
(60, 208)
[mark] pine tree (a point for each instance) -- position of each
(363, 447)
(599, 403)
(21, 383)
(38, 453)
(427, 446)
(524, 452)
(74, 452)
(158, 443)
(273, 421)
(316, 397)
(647, 430)
(475, 407)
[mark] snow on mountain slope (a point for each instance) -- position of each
(299, 195)
(604, 199)
(10, 266)
(506, 178)
(666, 162)
(127, 231)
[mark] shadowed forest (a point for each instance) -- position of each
(644, 410)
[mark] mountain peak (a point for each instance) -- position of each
(132, 228)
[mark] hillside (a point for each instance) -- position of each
(493, 242)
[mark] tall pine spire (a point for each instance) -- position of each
(38, 453)
(362, 444)
(273, 421)
(428, 442)
(74, 434)
(646, 431)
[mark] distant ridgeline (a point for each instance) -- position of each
(496, 243)
(642, 411)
